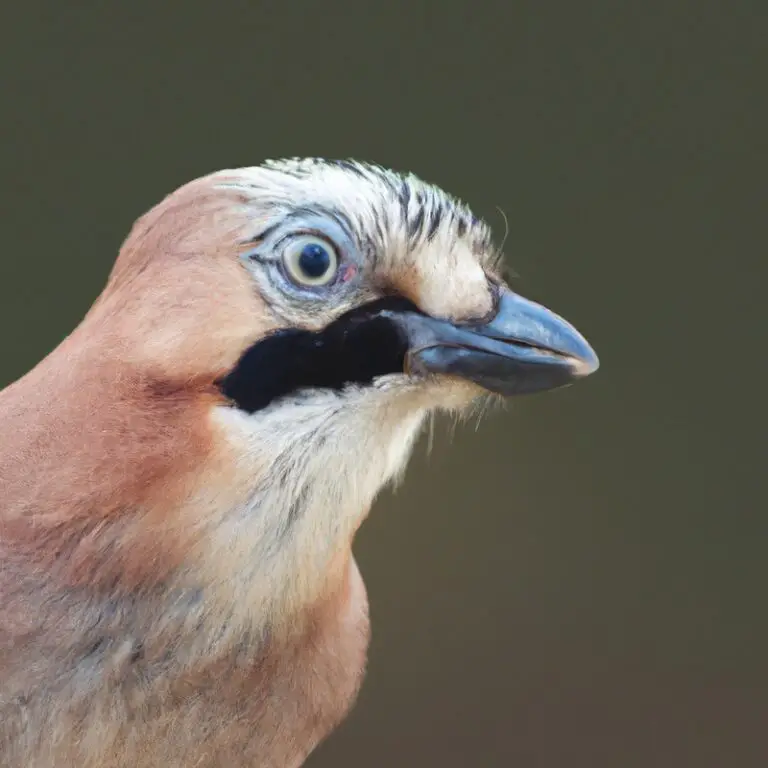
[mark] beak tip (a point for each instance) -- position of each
(584, 361)
(585, 364)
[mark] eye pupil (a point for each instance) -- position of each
(314, 260)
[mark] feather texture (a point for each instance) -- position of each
(176, 580)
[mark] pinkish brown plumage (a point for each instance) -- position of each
(176, 580)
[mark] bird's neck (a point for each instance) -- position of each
(307, 477)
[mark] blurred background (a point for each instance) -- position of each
(579, 580)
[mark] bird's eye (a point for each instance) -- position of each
(310, 261)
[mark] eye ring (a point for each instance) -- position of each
(310, 261)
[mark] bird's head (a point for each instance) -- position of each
(307, 276)
(332, 305)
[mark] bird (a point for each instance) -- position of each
(183, 476)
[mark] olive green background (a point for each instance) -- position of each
(580, 580)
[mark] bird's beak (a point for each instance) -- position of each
(523, 348)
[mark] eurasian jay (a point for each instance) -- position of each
(182, 478)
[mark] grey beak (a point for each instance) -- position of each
(523, 348)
